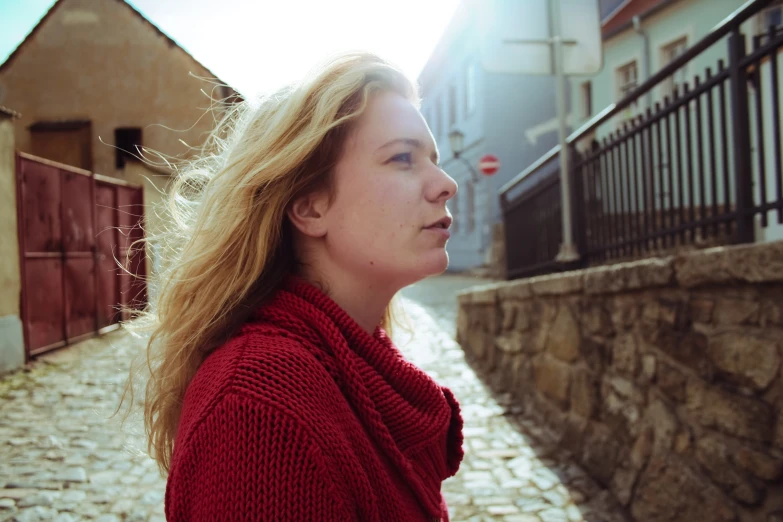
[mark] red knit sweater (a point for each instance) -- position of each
(304, 416)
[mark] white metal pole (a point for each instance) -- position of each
(568, 250)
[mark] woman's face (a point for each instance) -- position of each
(388, 219)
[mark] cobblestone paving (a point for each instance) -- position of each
(509, 472)
(63, 456)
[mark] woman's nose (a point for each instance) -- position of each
(446, 186)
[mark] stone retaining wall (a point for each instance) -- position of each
(662, 377)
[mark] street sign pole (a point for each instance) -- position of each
(568, 251)
(546, 37)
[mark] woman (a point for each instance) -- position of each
(276, 393)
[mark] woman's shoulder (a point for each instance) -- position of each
(264, 366)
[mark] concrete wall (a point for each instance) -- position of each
(100, 61)
(661, 377)
(11, 339)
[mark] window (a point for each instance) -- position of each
(127, 141)
(669, 53)
(627, 79)
(771, 17)
(452, 105)
(470, 88)
(586, 91)
(470, 214)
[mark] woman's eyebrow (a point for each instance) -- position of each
(413, 142)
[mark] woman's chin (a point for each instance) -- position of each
(435, 264)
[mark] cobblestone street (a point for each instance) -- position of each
(64, 457)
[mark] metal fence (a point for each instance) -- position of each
(697, 169)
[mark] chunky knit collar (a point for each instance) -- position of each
(413, 420)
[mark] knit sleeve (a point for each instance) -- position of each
(250, 462)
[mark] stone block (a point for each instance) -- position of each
(574, 427)
(664, 425)
(670, 491)
(622, 277)
(759, 463)
(715, 458)
(625, 310)
(584, 393)
(623, 482)
(671, 381)
(508, 313)
(771, 305)
(642, 447)
(463, 323)
(683, 441)
(564, 338)
(558, 284)
(596, 320)
(779, 430)
(600, 453)
(596, 353)
(746, 357)
(744, 417)
(775, 516)
(648, 369)
(518, 290)
(625, 354)
(689, 348)
(757, 263)
(553, 379)
(730, 311)
(673, 313)
(484, 295)
(702, 267)
(477, 342)
(510, 342)
(701, 309)
(544, 310)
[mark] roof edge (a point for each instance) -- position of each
(138, 13)
(9, 112)
(645, 14)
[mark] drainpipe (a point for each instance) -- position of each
(637, 26)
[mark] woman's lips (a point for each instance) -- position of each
(439, 230)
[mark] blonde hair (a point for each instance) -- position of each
(228, 245)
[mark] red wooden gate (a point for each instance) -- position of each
(72, 225)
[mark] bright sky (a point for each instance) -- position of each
(257, 45)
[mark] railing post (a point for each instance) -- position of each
(578, 213)
(743, 174)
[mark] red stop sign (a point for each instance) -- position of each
(489, 164)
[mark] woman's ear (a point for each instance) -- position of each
(308, 214)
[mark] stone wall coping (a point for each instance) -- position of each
(754, 263)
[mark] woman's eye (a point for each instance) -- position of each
(405, 157)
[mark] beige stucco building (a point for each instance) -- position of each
(96, 73)
(11, 341)
(93, 80)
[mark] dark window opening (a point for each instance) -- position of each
(127, 141)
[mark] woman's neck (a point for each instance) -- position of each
(363, 301)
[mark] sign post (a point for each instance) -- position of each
(516, 39)
(568, 251)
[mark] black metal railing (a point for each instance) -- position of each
(698, 168)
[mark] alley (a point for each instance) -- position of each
(64, 457)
